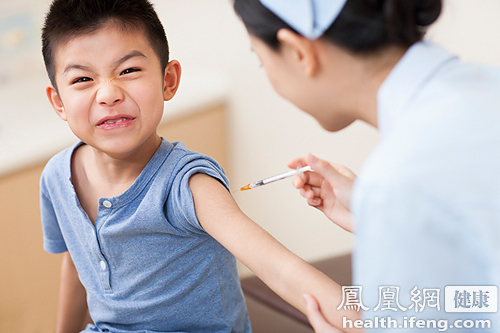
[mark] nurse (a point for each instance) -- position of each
(425, 207)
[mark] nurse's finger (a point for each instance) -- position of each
(314, 202)
(298, 181)
(297, 163)
(310, 178)
(313, 191)
(326, 170)
(310, 192)
(314, 178)
(343, 170)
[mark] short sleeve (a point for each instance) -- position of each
(53, 241)
(180, 209)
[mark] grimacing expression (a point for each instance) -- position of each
(111, 88)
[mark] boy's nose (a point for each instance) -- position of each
(109, 94)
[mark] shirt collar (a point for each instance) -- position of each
(150, 170)
(406, 79)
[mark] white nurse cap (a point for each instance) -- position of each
(311, 18)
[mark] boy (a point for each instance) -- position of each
(147, 226)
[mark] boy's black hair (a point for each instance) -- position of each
(363, 26)
(69, 18)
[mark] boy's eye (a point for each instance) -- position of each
(81, 79)
(130, 70)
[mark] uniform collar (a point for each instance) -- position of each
(420, 62)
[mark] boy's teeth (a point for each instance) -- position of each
(114, 121)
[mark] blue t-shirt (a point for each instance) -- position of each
(146, 264)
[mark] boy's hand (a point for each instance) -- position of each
(316, 319)
(328, 188)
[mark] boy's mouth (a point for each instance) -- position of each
(115, 122)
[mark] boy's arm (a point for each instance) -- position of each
(72, 310)
(285, 273)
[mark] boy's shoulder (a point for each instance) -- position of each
(185, 158)
(59, 165)
(181, 163)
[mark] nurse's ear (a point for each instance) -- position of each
(301, 49)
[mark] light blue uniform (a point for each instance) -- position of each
(427, 201)
(147, 264)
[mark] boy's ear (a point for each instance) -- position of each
(303, 50)
(55, 101)
(171, 79)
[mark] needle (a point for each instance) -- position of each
(275, 178)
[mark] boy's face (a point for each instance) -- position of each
(111, 89)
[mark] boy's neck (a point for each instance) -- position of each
(116, 173)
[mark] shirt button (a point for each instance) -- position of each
(107, 204)
(103, 265)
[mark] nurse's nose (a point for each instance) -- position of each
(109, 94)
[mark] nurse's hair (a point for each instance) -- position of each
(362, 27)
(67, 19)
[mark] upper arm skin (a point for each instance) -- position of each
(285, 273)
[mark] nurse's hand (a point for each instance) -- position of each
(316, 319)
(328, 188)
